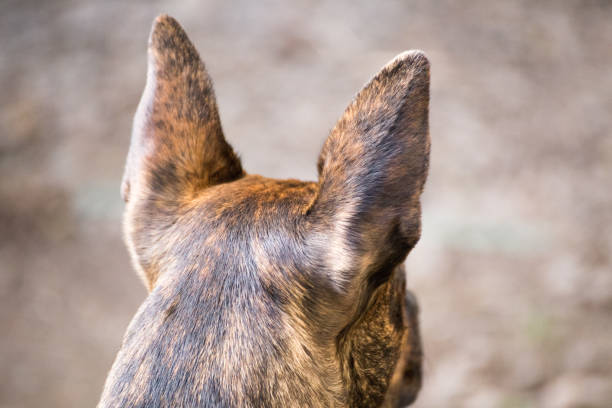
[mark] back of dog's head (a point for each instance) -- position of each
(271, 292)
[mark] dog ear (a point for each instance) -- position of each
(177, 144)
(372, 170)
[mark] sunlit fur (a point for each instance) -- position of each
(268, 292)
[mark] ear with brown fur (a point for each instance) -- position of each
(372, 170)
(177, 147)
(177, 142)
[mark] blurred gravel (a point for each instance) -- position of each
(514, 269)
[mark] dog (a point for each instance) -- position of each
(264, 292)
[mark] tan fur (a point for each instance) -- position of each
(271, 292)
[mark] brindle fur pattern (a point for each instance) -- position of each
(271, 292)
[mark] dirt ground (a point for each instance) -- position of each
(514, 268)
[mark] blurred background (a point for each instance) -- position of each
(514, 268)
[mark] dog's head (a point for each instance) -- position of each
(271, 291)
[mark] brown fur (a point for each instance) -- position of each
(271, 292)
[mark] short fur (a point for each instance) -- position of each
(271, 292)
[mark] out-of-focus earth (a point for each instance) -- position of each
(514, 268)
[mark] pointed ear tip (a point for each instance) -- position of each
(413, 58)
(163, 25)
(163, 20)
